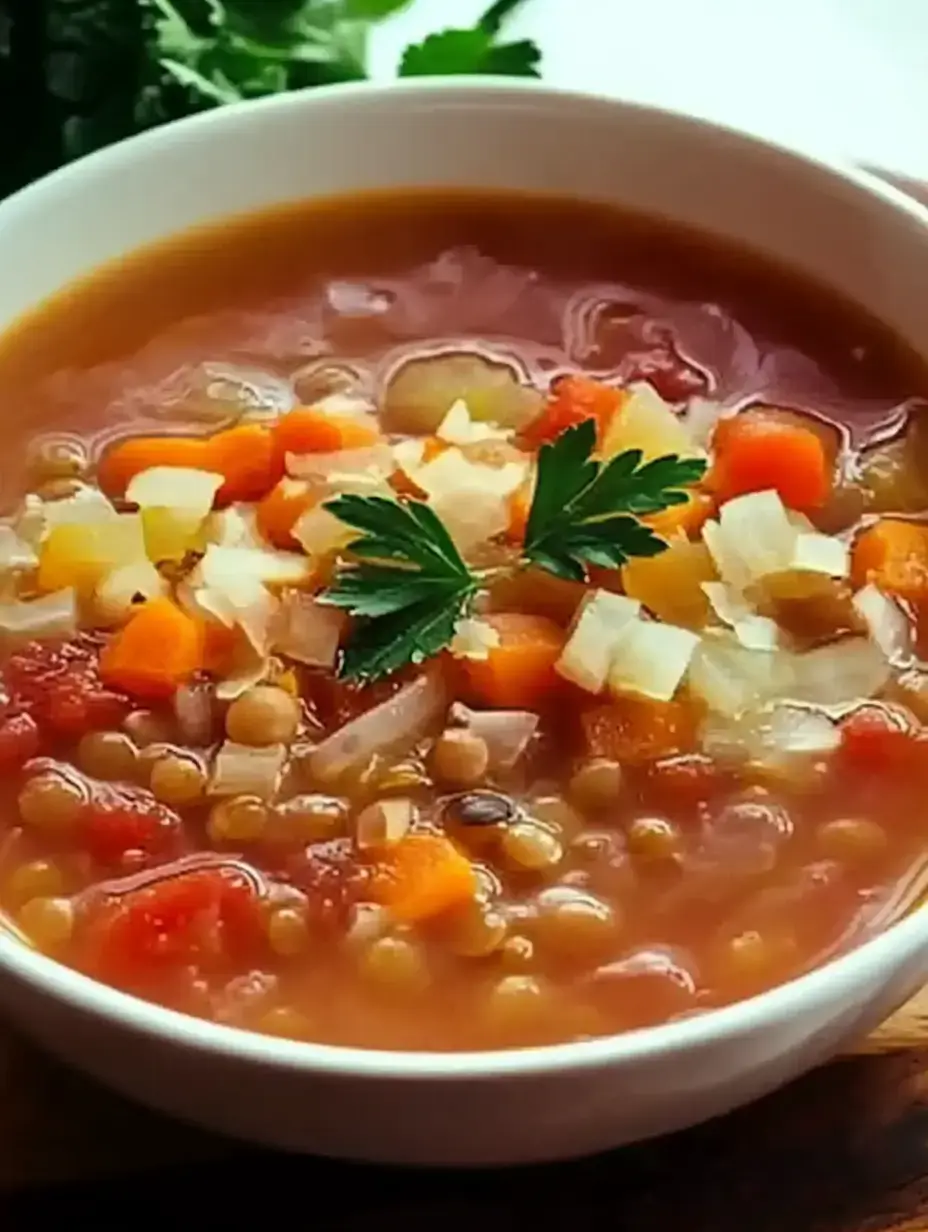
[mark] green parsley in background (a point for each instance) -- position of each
(76, 75)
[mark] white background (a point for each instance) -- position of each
(836, 76)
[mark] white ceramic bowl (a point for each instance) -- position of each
(837, 225)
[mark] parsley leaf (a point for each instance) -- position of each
(586, 512)
(407, 590)
(451, 53)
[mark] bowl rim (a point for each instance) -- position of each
(885, 952)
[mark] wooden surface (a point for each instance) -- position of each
(843, 1150)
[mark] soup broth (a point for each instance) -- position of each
(368, 679)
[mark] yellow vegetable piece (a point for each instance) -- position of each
(647, 423)
(80, 554)
(670, 585)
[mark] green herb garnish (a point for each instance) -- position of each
(586, 512)
(410, 585)
(85, 73)
(408, 589)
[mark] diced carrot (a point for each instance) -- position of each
(639, 729)
(282, 508)
(572, 400)
(159, 649)
(126, 459)
(248, 459)
(306, 430)
(423, 876)
(520, 505)
(519, 672)
(687, 519)
(221, 646)
(893, 554)
(756, 451)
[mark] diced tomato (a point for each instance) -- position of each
(573, 400)
(20, 740)
(683, 782)
(878, 739)
(60, 687)
(633, 729)
(208, 919)
(123, 823)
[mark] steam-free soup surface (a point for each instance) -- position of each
(368, 679)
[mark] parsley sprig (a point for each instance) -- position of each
(586, 512)
(408, 586)
(407, 591)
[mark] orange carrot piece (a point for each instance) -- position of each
(248, 459)
(687, 519)
(423, 876)
(893, 554)
(306, 430)
(754, 452)
(519, 672)
(282, 508)
(159, 649)
(572, 400)
(639, 729)
(126, 459)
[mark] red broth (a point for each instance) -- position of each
(541, 853)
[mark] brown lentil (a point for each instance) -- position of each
(573, 925)
(49, 922)
(597, 784)
(287, 931)
(459, 758)
(52, 802)
(108, 755)
(395, 964)
(240, 819)
(178, 780)
(653, 839)
(516, 1002)
(852, 840)
(285, 1022)
(264, 715)
(530, 846)
(475, 930)
(556, 815)
(35, 879)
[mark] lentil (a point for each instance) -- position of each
(264, 715)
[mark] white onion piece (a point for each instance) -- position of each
(452, 475)
(587, 655)
(842, 672)
(886, 622)
(16, 554)
(651, 658)
(776, 736)
(124, 588)
(240, 769)
(398, 722)
(506, 733)
(321, 533)
(52, 616)
(472, 519)
(457, 427)
(756, 527)
(193, 709)
(252, 669)
(234, 527)
(818, 553)
(181, 488)
(409, 454)
(370, 460)
(223, 566)
(307, 631)
(753, 631)
(29, 522)
(473, 639)
(87, 505)
(730, 679)
(728, 561)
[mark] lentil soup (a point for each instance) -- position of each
(453, 621)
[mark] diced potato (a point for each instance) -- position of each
(79, 554)
(587, 657)
(421, 393)
(670, 585)
(170, 533)
(647, 423)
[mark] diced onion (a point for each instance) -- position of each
(307, 631)
(587, 656)
(321, 533)
(757, 529)
(240, 769)
(753, 631)
(234, 527)
(472, 519)
(651, 658)
(775, 736)
(189, 491)
(817, 553)
(251, 669)
(730, 678)
(452, 475)
(122, 589)
(367, 463)
(87, 505)
(473, 639)
(16, 554)
(841, 672)
(51, 616)
(398, 722)
(223, 566)
(886, 622)
(506, 733)
(384, 823)
(457, 427)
